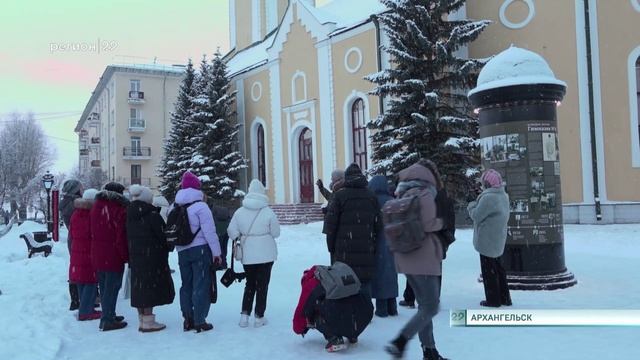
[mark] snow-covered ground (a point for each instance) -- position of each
(35, 322)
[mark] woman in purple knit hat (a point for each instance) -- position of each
(196, 258)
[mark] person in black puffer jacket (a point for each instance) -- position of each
(352, 224)
(151, 283)
(71, 190)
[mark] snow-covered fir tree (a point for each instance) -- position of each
(216, 157)
(179, 145)
(427, 114)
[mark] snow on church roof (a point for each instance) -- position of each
(342, 13)
(515, 66)
(345, 13)
(250, 57)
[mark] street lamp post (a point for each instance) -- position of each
(47, 182)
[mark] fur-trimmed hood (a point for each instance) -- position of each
(82, 204)
(112, 196)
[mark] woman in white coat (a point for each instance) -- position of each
(256, 226)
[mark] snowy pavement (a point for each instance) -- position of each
(35, 322)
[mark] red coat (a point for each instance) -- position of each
(108, 229)
(309, 282)
(80, 268)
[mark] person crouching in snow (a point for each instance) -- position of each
(151, 283)
(256, 226)
(109, 250)
(195, 259)
(81, 272)
(334, 318)
(490, 215)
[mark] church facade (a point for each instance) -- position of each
(303, 101)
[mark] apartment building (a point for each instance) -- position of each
(124, 123)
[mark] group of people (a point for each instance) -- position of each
(355, 233)
(108, 229)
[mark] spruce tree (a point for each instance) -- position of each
(179, 145)
(427, 114)
(216, 159)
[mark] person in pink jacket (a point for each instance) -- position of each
(195, 259)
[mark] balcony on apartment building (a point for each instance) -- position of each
(137, 125)
(95, 163)
(94, 118)
(136, 97)
(95, 141)
(139, 181)
(84, 152)
(136, 153)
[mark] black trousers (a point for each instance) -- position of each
(408, 294)
(494, 278)
(257, 285)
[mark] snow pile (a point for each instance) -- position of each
(37, 324)
(515, 66)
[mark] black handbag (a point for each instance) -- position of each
(230, 275)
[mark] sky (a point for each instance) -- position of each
(38, 75)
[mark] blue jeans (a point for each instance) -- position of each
(195, 272)
(110, 283)
(427, 291)
(87, 294)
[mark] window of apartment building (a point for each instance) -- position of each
(136, 174)
(359, 131)
(135, 146)
(134, 85)
(262, 168)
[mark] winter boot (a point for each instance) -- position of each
(244, 320)
(149, 324)
(75, 298)
(407, 304)
(187, 325)
(382, 310)
(260, 322)
(335, 344)
(488, 304)
(431, 354)
(203, 327)
(392, 307)
(92, 316)
(396, 347)
(116, 325)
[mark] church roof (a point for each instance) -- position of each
(339, 15)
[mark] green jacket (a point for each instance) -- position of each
(490, 215)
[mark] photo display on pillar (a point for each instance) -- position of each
(526, 155)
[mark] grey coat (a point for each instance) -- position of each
(490, 215)
(427, 260)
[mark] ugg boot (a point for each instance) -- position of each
(244, 320)
(149, 324)
(260, 322)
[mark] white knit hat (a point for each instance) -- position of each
(142, 193)
(89, 194)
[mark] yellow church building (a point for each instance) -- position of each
(303, 101)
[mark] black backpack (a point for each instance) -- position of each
(178, 229)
